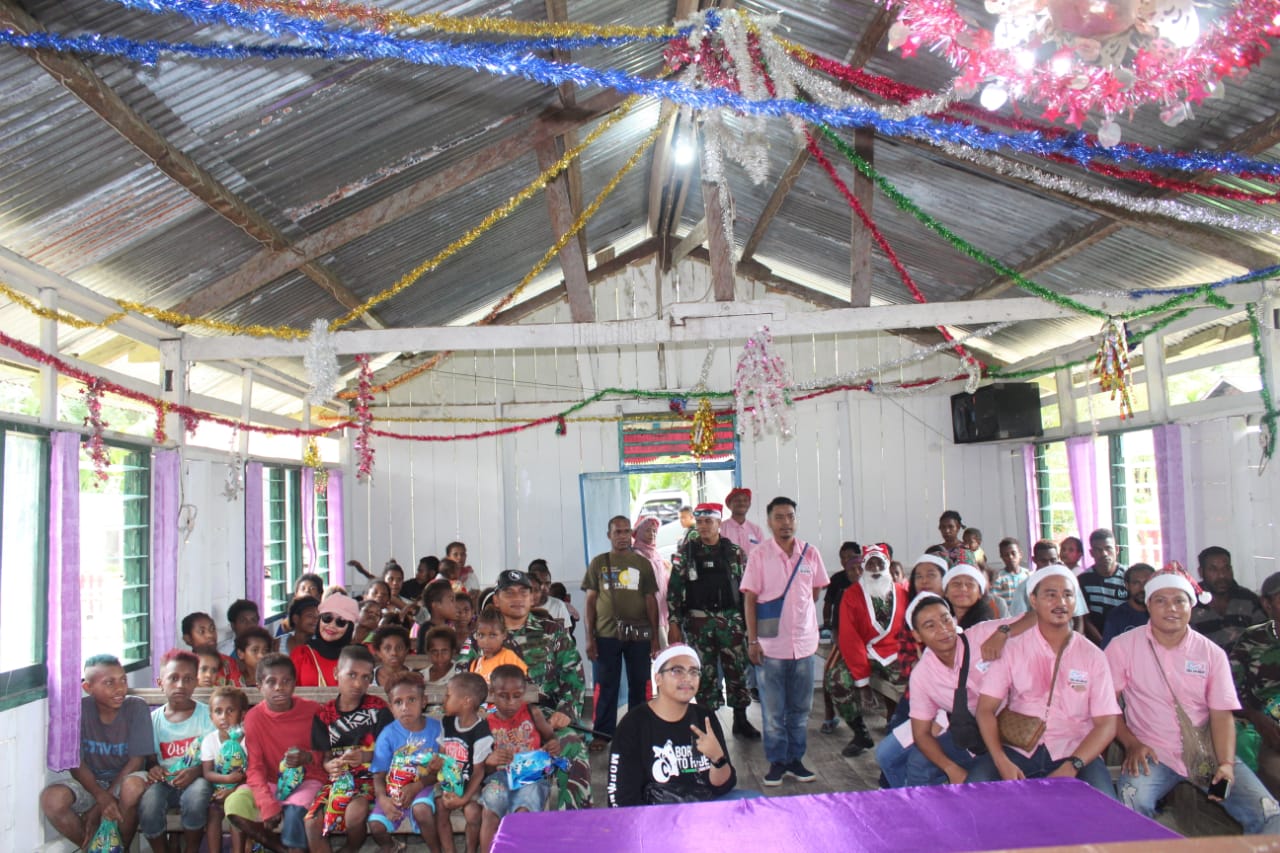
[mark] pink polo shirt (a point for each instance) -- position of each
(748, 536)
(1199, 673)
(766, 575)
(1084, 687)
(937, 682)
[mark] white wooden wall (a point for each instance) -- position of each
(862, 467)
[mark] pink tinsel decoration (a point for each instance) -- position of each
(97, 445)
(364, 420)
(762, 388)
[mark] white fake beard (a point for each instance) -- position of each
(878, 586)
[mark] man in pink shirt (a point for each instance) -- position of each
(1058, 676)
(747, 535)
(1164, 665)
(790, 572)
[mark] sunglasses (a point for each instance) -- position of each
(331, 619)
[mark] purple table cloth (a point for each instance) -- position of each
(983, 816)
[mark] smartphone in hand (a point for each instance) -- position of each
(1219, 789)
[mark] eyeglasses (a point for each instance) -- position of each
(681, 672)
(331, 619)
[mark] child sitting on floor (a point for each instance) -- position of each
(200, 632)
(209, 671)
(391, 646)
(177, 779)
(115, 740)
(442, 651)
(252, 646)
(277, 737)
(491, 635)
(224, 766)
(467, 741)
(405, 764)
(516, 727)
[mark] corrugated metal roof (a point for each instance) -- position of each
(307, 144)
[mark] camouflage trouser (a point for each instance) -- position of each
(573, 786)
(837, 680)
(720, 637)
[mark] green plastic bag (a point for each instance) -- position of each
(107, 839)
(1248, 742)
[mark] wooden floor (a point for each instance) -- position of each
(835, 773)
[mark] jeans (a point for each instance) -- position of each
(921, 771)
(892, 757)
(786, 691)
(610, 653)
(192, 802)
(901, 713)
(1038, 765)
(1247, 801)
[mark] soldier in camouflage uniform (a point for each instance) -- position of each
(706, 612)
(555, 667)
(1255, 668)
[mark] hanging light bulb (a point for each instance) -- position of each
(993, 97)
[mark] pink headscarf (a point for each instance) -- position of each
(644, 549)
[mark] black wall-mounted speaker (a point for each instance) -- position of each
(997, 412)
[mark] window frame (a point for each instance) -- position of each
(29, 683)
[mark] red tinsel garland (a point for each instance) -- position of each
(97, 444)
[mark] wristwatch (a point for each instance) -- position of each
(724, 759)
(1004, 629)
(1077, 763)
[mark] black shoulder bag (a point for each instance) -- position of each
(963, 725)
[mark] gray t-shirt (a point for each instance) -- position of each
(106, 748)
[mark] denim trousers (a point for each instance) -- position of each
(192, 803)
(1038, 765)
(1247, 801)
(610, 654)
(786, 691)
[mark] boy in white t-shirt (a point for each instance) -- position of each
(224, 768)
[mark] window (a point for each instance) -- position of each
(24, 479)
(1127, 470)
(115, 556)
(284, 542)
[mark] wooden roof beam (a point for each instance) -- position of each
(80, 80)
(268, 265)
(857, 57)
(572, 261)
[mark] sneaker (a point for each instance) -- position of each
(799, 772)
(830, 726)
(773, 778)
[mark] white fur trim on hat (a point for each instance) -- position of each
(870, 551)
(940, 562)
(672, 651)
(1050, 571)
(916, 602)
(965, 570)
(1171, 580)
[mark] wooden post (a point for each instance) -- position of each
(860, 240)
(722, 273)
(48, 387)
(173, 387)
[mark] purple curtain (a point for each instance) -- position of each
(166, 476)
(337, 531)
(253, 567)
(1033, 495)
(64, 601)
(308, 503)
(1082, 466)
(1171, 489)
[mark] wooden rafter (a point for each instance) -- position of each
(573, 262)
(267, 266)
(558, 12)
(81, 81)
(857, 57)
(1252, 141)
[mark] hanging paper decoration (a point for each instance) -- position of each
(321, 362)
(1073, 57)
(364, 420)
(97, 444)
(311, 458)
(702, 435)
(233, 484)
(561, 426)
(762, 388)
(1111, 367)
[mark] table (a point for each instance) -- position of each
(980, 816)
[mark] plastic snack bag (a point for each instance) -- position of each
(451, 776)
(231, 757)
(189, 758)
(107, 839)
(341, 791)
(406, 763)
(528, 768)
(290, 777)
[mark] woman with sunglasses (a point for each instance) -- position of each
(317, 661)
(668, 750)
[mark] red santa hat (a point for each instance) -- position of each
(733, 493)
(1174, 576)
(708, 511)
(878, 551)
